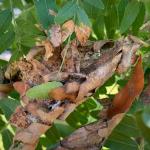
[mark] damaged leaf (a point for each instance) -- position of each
(82, 32)
(67, 29)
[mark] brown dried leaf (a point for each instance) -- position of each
(56, 76)
(31, 134)
(98, 77)
(72, 59)
(128, 53)
(42, 111)
(123, 100)
(6, 88)
(11, 70)
(34, 52)
(72, 87)
(55, 35)
(51, 116)
(48, 50)
(99, 44)
(21, 87)
(67, 29)
(19, 118)
(82, 32)
(60, 94)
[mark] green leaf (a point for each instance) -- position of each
(3, 63)
(5, 20)
(41, 91)
(96, 3)
(7, 138)
(16, 4)
(121, 9)
(43, 7)
(91, 11)
(145, 130)
(130, 15)
(63, 128)
(67, 12)
(111, 20)
(82, 17)
(16, 55)
(139, 19)
(8, 106)
(6, 39)
(2, 123)
(27, 31)
(124, 135)
(146, 116)
(98, 27)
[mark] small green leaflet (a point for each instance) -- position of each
(130, 15)
(41, 91)
(8, 106)
(42, 8)
(6, 39)
(121, 9)
(72, 11)
(66, 12)
(139, 19)
(111, 21)
(7, 34)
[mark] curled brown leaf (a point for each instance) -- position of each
(124, 99)
(48, 50)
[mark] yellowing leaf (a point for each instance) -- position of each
(82, 33)
(67, 29)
